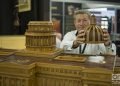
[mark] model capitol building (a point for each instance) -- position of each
(40, 36)
(93, 33)
(40, 40)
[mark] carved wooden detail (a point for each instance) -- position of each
(23, 68)
(40, 36)
(93, 33)
(40, 40)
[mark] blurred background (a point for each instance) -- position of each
(15, 15)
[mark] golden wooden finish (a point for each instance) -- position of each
(39, 54)
(40, 40)
(5, 53)
(40, 36)
(58, 75)
(13, 74)
(93, 33)
(71, 58)
(117, 70)
(25, 68)
(47, 74)
(97, 77)
(33, 71)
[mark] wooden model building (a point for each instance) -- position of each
(25, 68)
(93, 33)
(40, 40)
(40, 36)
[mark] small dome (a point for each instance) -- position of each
(93, 33)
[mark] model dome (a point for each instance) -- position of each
(93, 33)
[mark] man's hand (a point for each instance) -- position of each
(79, 39)
(106, 37)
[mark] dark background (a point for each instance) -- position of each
(39, 11)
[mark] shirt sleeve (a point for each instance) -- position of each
(107, 49)
(111, 49)
(67, 41)
(58, 42)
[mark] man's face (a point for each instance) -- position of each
(81, 21)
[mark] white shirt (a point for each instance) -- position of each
(58, 42)
(93, 49)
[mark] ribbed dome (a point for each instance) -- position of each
(93, 33)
